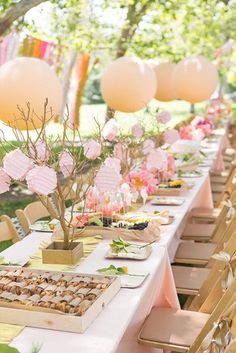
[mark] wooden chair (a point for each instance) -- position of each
(211, 214)
(209, 232)
(200, 253)
(231, 347)
(186, 331)
(197, 282)
(8, 230)
(32, 213)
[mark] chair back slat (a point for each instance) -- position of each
(8, 230)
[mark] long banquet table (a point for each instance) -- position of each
(117, 326)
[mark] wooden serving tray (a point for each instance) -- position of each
(47, 318)
(171, 191)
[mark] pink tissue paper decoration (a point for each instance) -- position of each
(66, 163)
(148, 145)
(163, 117)
(142, 179)
(108, 179)
(110, 130)
(138, 130)
(171, 136)
(121, 151)
(16, 164)
(157, 160)
(39, 151)
(42, 180)
(92, 149)
(5, 181)
(113, 163)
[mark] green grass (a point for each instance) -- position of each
(9, 207)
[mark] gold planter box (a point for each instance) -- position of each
(55, 254)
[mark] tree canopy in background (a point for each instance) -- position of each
(152, 29)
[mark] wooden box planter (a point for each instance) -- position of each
(55, 254)
(14, 311)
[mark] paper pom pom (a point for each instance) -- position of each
(138, 130)
(5, 181)
(42, 180)
(108, 179)
(110, 130)
(39, 151)
(66, 163)
(171, 136)
(92, 149)
(148, 145)
(157, 160)
(113, 163)
(16, 164)
(163, 117)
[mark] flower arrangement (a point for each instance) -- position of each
(53, 168)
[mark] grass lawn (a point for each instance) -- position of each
(179, 110)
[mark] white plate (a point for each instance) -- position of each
(167, 201)
(141, 254)
(133, 280)
(42, 226)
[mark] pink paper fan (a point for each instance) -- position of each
(39, 151)
(110, 130)
(66, 163)
(163, 117)
(92, 149)
(148, 145)
(108, 179)
(171, 136)
(42, 180)
(5, 181)
(157, 160)
(138, 130)
(16, 164)
(113, 163)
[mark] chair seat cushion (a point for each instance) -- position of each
(177, 327)
(195, 251)
(201, 212)
(189, 277)
(199, 230)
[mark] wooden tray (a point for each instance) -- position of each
(47, 318)
(171, 191)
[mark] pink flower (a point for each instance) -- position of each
(92, 149)
(66, 163)
(121, 151)
(39, 151)
(142, 179)
(110, 130)
(113, 163)
(171, 136)
(163, 117)
(42, 180)
(169, 172)
(16, 164)
(156, 160)
(138, 130)
(106, 203)
(5, 181)
(148, 145)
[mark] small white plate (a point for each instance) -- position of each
(133, 280)
(42, 226)
(137, 254)
(167, 201)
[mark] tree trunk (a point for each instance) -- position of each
(133, 18)
(16, 11)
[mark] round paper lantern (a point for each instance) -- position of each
(30, 80)
(128, 84)
(195, 79)
(164, 74)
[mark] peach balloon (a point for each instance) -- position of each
(30, 80)
(164, 74)
(195, 79)
(128, 84)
